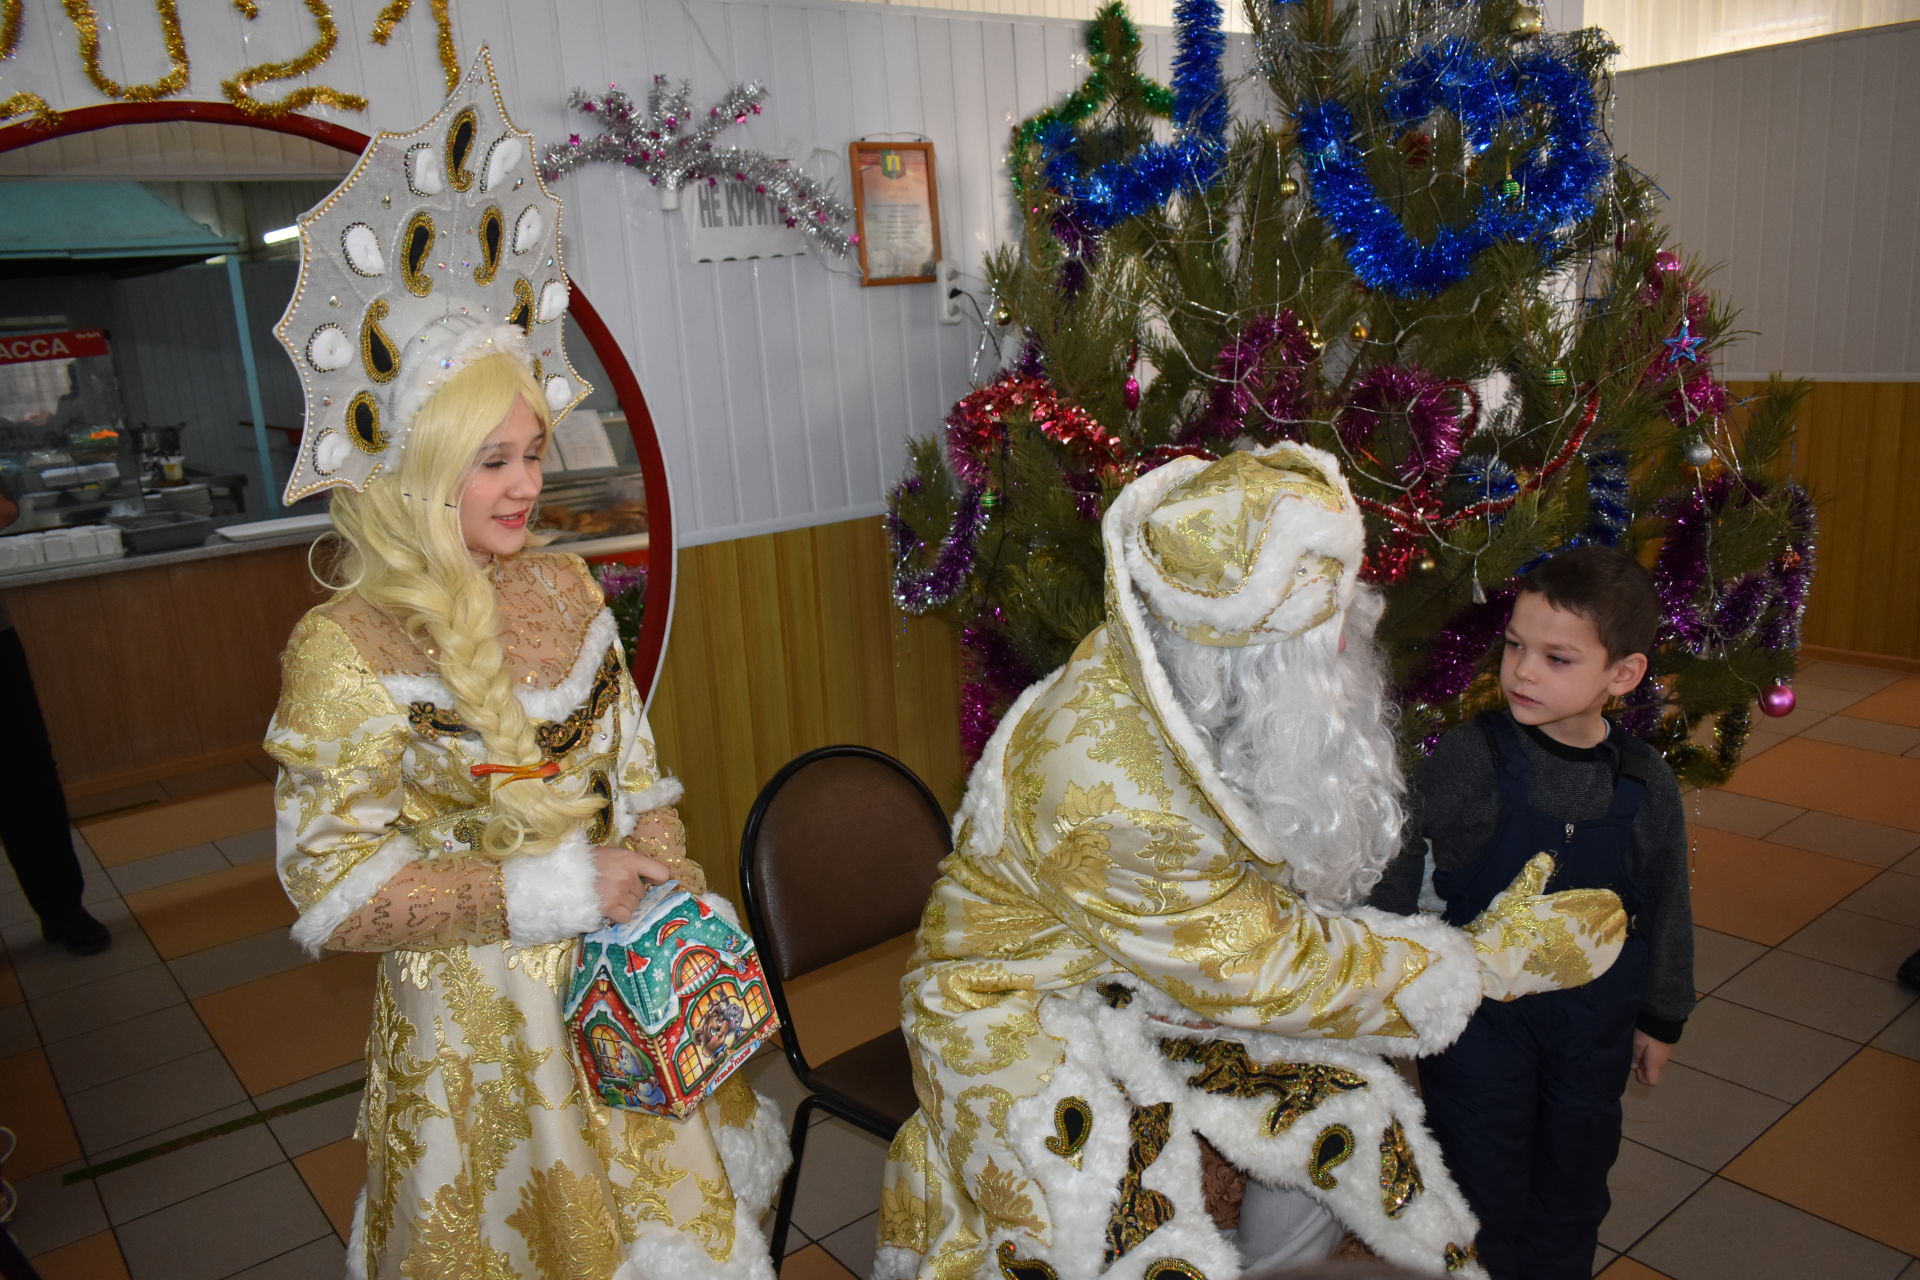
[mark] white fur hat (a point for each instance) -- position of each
(1260, 546)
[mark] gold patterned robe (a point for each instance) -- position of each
(488, 1156)
(1106, 971)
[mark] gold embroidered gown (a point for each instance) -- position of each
(1107, 972)
(487, 1156)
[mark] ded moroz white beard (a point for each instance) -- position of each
(1303, 733)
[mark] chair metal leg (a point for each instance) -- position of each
(790, 1185)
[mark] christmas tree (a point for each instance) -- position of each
(1423, 257)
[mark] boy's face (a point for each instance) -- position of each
(1556, 674)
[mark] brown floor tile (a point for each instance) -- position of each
(181, 824)
(292, 1025)
(207, 910)
(30, 1105)
(813, 1263)
(335, 1174)
(1868, 785)
(1895, 704)
(95, 1258)
(851, 1002)
(1846, 1153)
(119, 800)
(1765, 892)
(10, 992)
(1628, 1269)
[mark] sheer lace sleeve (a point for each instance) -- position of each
(658, 833)
(445, 902)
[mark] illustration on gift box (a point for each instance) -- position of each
(665, 1007)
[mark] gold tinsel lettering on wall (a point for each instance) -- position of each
(396, 13)
(87, 24)
(239, 89)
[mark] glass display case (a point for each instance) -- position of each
(65, 453)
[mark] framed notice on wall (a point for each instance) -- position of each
(896, 211)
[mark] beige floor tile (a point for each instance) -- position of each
(335, 1174)
(1824, 698)
(1760, 741)
(146, 1102)
(1871, 735)
(1742, 815)
(17, 1032)
(1846, 1153)
(149, 1040)
(1909, 865)
(323, 1259)
(214, 969)
(853, 1246)
(10, 992)
(167, 1179)
(1891, 895)
(1846, 675)
(839, 1178)
(249, 846)
(118, 800)
(1628, 1269)
(45, 970)
(111, 1000)
(1765, 892)
(319, 1125)
(45, 1139)
(1865, 944)
(221, 906)
(1602, 1258)
(1645, 1186)
(95, 1258)
(1835, 779)
(292, 1025)
(1902, 1035)
(1718, 956)
(1898, 703)
(219, 1232)
(179, 824)
(1727, 1232)
(813, 1263)
(1849, 838)
(167, 868)
(52, 1213)
(1759, 1051)
(1696, 1117)
(1819, 995)
(14, 909)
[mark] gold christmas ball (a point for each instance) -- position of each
(1359, 331)
(1289, 188)
(1526, 21)
(1428, 564)
(1003, 315)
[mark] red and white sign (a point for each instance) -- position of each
(23, 348)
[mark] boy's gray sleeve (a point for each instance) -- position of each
(1452, 800)
(1666, 909)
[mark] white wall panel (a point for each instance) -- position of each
(1795, 169)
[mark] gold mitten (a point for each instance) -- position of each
(1529, 941)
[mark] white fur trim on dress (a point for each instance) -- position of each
(658, 796)
(984, 805)
(1440, 1001)
(663, 1253)
(1113, 1062)
(539, 704)
(357, 1240)
(891, 1262)
(352, 891)
(755, 1157)
(555, 895)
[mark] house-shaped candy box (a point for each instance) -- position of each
(665, 1007)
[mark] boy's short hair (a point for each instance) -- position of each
(1609, 588)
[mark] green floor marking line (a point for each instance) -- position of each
(93, 1171)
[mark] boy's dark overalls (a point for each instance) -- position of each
(1526, 1104)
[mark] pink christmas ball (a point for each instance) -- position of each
(1777, 701)
(1666, 261)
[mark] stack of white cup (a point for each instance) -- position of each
(22, 551)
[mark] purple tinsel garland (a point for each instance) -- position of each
(1433, 422)
(1265, 368)
(997, 675)
(1793, 572)
(918, 593)
(1455, 654)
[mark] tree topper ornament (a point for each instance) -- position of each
(441, 246)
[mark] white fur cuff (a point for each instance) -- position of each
(658, 796)
(317, 923)
(551, 896)
(1439, 1001)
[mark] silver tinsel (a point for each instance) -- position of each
(674, 148)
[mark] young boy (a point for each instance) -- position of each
(1526, 1104)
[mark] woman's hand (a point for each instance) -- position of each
(624, 878)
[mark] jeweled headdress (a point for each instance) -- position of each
(440, 247)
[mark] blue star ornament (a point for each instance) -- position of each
(1684, 345)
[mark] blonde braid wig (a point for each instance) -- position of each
(406, 557)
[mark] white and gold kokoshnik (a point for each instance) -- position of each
(487, 1157)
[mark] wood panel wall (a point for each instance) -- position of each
(1858, 452)
(786, 642)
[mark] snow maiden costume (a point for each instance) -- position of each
(487, 1154)
(1118, 960)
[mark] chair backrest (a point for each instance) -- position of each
(839, 854)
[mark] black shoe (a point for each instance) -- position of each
(1910, 970)
(78, 932)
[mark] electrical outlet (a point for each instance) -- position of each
(946, 288)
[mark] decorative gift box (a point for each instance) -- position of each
(665, 1007)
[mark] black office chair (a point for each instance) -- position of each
(838, 855)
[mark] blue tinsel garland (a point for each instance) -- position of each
(1122, 189)
(1556, 181)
